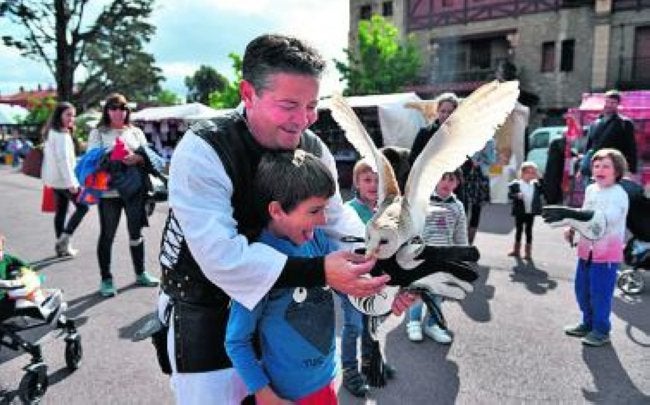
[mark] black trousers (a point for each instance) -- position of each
(110, 212)
(63, 199)
(524, 222)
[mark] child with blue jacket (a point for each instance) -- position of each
(295, 326)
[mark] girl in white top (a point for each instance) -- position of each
(57, 172)
(115, 124)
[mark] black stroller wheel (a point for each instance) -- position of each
(33, 385)
(630, 281)
(73, 353)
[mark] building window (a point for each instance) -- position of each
(366, 12)
(566, 59)
(387, 9)
(447, 3)
(548, 56)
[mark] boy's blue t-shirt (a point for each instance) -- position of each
(296, 331)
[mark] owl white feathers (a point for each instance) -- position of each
(398, 223)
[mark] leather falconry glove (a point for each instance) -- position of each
(448, 278)
(590, 224)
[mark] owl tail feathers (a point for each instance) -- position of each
(373, 368)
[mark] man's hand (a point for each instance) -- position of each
(344, 271)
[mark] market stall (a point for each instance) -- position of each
(164, 126)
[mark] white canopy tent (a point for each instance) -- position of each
(399, 124)
(188, 112)
(11, 114)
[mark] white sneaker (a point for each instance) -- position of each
(414, 331)
(438, 334)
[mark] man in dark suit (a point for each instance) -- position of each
(611, 130)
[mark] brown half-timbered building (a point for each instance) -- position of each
(560, 48)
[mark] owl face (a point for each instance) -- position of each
(382, 241)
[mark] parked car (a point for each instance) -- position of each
(540, 139)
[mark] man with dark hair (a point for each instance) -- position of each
(611, 130)
(208, 255)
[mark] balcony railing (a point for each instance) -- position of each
(634, 73)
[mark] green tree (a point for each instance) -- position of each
(204, 81)
(382, 63)
(229, 96)
(167, 97)
(60, 34)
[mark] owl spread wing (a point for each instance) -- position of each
(357, 135)
(464, 133)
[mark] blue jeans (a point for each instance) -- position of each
(353, 328)
(594, 287)
(415, 312)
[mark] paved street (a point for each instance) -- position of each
(509, 346)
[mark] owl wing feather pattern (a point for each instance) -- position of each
(357, 135)
(464, 133)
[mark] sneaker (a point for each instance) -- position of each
(107, 289)
(438, 334)
(355, 383)
(146, 280)
(414, 331)
(579, 330)
(595, 339)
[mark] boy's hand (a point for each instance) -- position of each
(266, 396)
(402, 302)
(344, 271)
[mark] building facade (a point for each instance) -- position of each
(560, 48)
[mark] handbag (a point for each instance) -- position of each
(33, 163)
(48, 201)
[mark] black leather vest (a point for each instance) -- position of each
(240, 154)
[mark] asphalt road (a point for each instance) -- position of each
(508, 347)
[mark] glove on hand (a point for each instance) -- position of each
(404, 278)
(553, 214)
(590, 224)
(448, 279)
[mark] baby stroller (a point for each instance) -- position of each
(24, 305)
(636, 255)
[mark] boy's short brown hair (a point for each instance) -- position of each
(618, 160)
(457, 174)
(362, 166)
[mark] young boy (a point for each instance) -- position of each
(445, 224)
(295, 326)
(599, 260)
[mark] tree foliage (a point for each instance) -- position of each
(109, 48)
(382, 63)
(204, 81)
(167, 97)
(229, 96)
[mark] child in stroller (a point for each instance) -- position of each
(25, 305)
(637, 249)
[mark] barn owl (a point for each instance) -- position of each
(397, 226)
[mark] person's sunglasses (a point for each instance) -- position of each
(122, 107)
